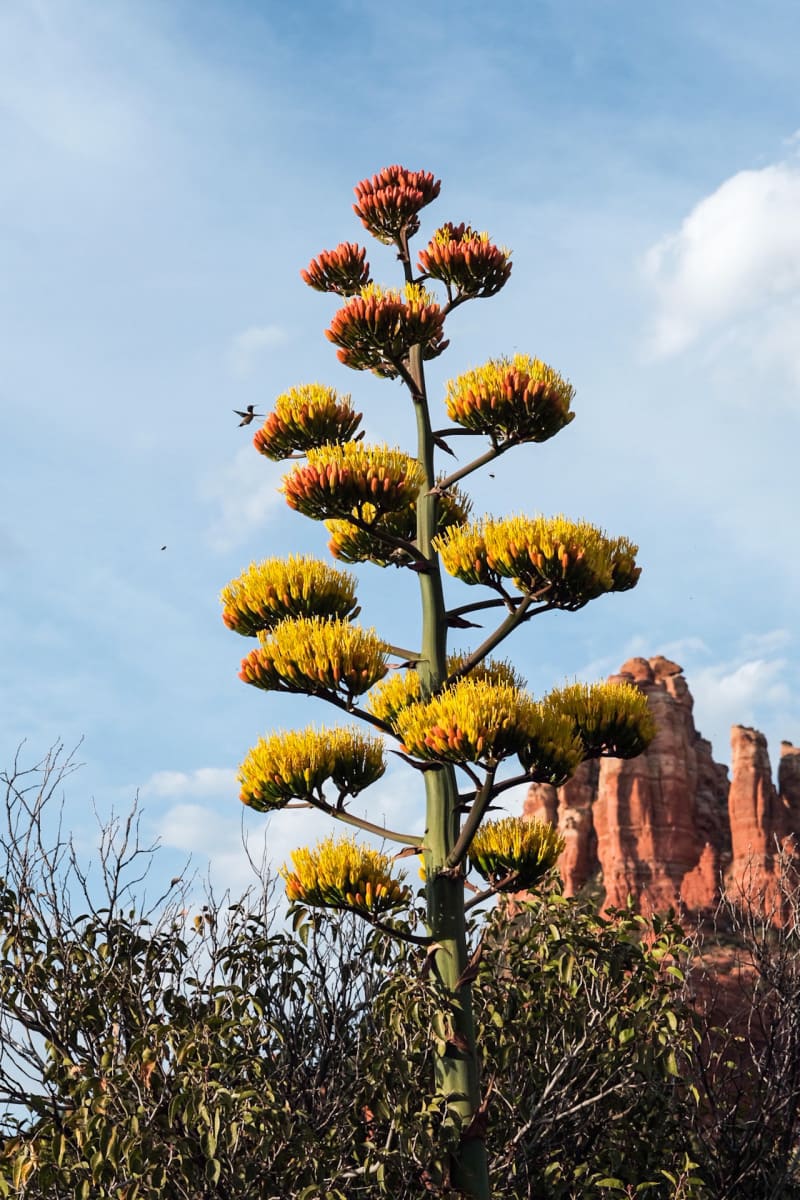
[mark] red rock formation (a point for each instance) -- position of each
(789, 781)
(664, 827)
(764, 821)
(570, 808)
(660, 817)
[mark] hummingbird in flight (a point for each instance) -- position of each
(248, 415)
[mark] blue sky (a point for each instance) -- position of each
(167, 170)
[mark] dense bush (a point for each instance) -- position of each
(212, 1052)
(746, 1063)
(220, 1054)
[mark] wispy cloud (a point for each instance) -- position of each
(732, 270)
(249, 346)
(758, 644)
(750, 687)
(736, 690)
(205, 781)
(226, 836)
(246, 495)
(216, 840)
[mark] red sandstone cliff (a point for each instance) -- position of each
(664, 827)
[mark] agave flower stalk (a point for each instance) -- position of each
(456, 1075)
(447, 712)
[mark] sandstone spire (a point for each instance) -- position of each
(667, 826)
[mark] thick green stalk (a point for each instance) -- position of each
(457, 1073)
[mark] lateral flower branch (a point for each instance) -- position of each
(445, 713)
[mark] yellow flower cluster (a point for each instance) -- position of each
(337, 481)
(472, 721)
(553, 750)
(389, 202)
(299, 586)
(393, 694)
(490, 670)
(296, 765)
(460, 257)
(338, 873)
(306, 416)
(353, 545)
(463, 552)
(515, 852)
(343, 270)
(610, 719)
(574, 560)
(520, 397)
(397, 691)
(314, 655)
(376, 329)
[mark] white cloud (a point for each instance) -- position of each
(640, 645)
(738, 690)
(216, 839)
(246, 492)
(251, 344)
(744, 691)
(205, 781)
(758, 644)
(684, 648)
(732, 270)
(226, 836)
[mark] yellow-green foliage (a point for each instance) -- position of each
(299, 586)
(338, 480)
(305, 417)
(520, 397)
(309, 654)
(612, 719)
(297, 764)
(515, 853)
(340, 872)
